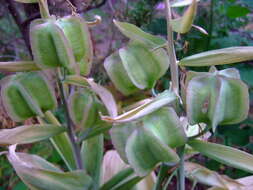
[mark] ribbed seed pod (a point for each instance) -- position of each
(136, 67)
(216, 98)
(26, 95)
(63, 42)
(84, 108)
(76, 31)
(148, 141)
(50, 47)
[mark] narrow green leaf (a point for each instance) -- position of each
(61, 142)
(18, 66)
(144, 151)
(38, 174)
(28, 134)
(165, 98)
(224, 154)
(134, 33)
(183, 24)
(128, 184)
(116, 179)
(92, 155)
(219, 57)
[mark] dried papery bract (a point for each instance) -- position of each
(26, 95)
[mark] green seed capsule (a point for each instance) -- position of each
(50, 47)
(136, 67)
(77, 33)
(26, 95)
(84, 108)
(154, 134)
(216, 98)
(64, 42)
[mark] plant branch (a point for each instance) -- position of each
(181, 174)
(171, 50)
(70, 127)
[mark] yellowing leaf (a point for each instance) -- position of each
(183, 24)
(18, 66)
(181, 3)
(28, 134)
(219, 57)
(27, 1)
(224, 154)
(165, 98)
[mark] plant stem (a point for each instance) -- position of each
(171, 50)
(44, 10)
(70, 128)
(169, 179)
(181, 174)
(161, 175)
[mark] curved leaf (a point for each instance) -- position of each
(134, 33)
(18, 66)
(219, 57)
(28, 134)
(38, 174)
(224, 154)
(165, 98)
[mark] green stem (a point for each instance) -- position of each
(210, 29)
(169, 180)
(171, 50)
(161, 175)
(70, 127)
(44, 10)
(181, 174)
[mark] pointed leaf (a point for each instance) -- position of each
(165, 98)
(116, 179)
(205, 176)
(224, 154)
(219, 57)
(38, 174)
(18, 66)
(28, 134)
(144, 151)
(134, 33)
(183, 24)
(92, 155)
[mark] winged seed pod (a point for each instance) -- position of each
(26, 95)
(64, 42)
(136, 67)
(216, 98)
(157, 132)
(84, 108)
